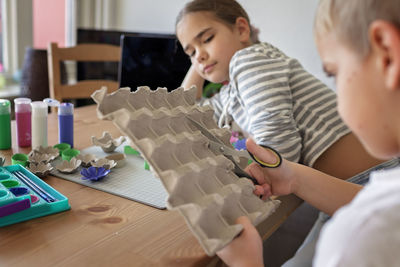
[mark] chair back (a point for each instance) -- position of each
(79, 53)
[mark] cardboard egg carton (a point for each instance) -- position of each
(201, 184)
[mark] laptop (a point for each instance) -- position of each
(154, 60)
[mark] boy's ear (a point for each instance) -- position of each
(243, 27)
(385, 40)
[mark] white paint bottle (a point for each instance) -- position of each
(39, 124)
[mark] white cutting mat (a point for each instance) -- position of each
(131, 181)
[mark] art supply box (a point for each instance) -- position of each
(24, 196)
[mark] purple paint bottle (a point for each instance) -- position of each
(66, 123)
(22, 107)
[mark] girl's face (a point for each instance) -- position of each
(210, 43)
(363, 102)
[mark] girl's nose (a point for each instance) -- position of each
(201, 55)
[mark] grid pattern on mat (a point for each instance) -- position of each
(131, 181)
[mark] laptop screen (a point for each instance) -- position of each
(154, 60)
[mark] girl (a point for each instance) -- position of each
(269, 95)
(359, 43)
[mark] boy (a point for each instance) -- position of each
(359, 43)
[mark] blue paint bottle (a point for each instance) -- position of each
(66, 123)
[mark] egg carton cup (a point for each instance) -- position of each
(40, 169)
(119, 158)
(35, 157)
(104, 163)
(43, 154)
(49, 150)
(94, 174)
(69, 166)
(107, 143)
(86, 159)
(201, 184)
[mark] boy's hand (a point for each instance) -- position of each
(244, 250)
(273, 181)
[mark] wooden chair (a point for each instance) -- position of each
(79, 53)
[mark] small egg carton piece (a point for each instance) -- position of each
(94, 173)
(43, 154)
(105, 163)
(86, 159)
(201, 184)
(35, 158)
(107, 143)
(49, 150)
(41, 169)
(119, 158)
(69, 166)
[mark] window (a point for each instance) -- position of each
(15, 36)
(1, 40)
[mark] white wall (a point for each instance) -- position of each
(286, 24)
(156, 16)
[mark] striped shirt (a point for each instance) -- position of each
(271, 97)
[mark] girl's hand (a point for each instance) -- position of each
(194, 78)
(246, 249)
(273, 181)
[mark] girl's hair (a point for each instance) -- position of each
(227, 11)
(349, 20)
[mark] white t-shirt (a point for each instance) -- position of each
(365, 232)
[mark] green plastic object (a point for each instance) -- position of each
(146, 166)
(211, 89)
(69, 153)
(19, 158)
(130, 151)
(5, 124)
(62, 146)
(38, 206)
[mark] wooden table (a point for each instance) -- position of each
(103, 229)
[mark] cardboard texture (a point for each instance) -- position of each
(69, 166)
(107, 143)
(201, 185)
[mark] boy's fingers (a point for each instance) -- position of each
(267, 191)
(257, 172)
(262, 190)
(243, 220)
(258, 191)
(260, 152)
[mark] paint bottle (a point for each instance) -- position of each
(23, 115)
(66, 123)
(39, 124)
(5, 124)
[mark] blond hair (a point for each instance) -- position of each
(349, 20)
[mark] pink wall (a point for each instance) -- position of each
(48, 23)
